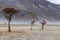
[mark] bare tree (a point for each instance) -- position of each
(32, 23)
(43, 23)
(8, 13)
(33, 17)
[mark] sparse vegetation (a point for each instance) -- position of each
(43, 23)
(8, 13)
(32, 23)
(33, 15)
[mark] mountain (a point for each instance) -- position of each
(41, 8)
(47, 10)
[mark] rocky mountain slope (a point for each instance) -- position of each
(41, 9)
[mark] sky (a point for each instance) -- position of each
(55, 1)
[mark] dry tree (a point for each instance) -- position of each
(32, 23)
(8, 13)
(43, 22)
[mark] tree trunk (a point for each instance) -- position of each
(9, 29)
(42, 27)
(31, 27)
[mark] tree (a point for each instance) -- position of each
(8, 13)
(43, 23)
(33, 15)
(32, 23)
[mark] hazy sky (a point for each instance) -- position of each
(55, 1)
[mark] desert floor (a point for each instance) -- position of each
(20, 32)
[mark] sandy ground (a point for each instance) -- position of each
(24, 33)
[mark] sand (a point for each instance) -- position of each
(24, 33)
